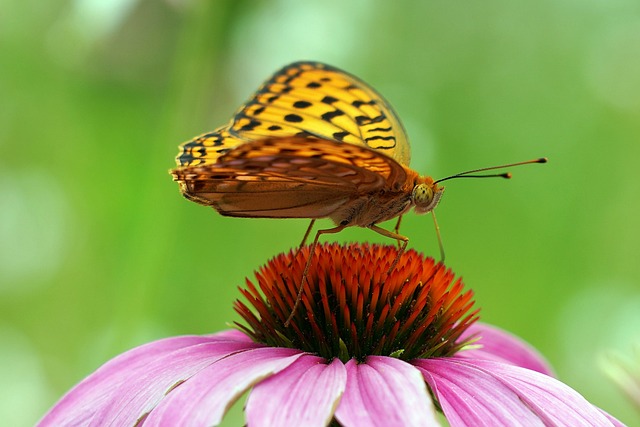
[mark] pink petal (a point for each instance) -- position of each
(613, 420)
(481, 392)
(304, 394)
(501, 346)
(205, 398)
(128, 386)
(385, 391)
(231, 335)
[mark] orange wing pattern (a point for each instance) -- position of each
(294, 177)
(307, 99)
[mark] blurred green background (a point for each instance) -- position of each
(99, 252)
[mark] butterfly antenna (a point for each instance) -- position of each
(471, 173)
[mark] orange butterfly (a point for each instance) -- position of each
(313, 142)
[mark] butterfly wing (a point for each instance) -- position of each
(307, 99)
(290, 177)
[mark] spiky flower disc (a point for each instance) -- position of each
(353, 306)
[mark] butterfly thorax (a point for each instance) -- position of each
(369, 209)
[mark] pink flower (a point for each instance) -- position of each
(365, 348)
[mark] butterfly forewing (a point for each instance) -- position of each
(307, 99)
(206, 148)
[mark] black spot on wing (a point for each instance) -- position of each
(364, 120)
(214, 136)
(340, 136)
(196, 146)
(329, 115)
(251, 125)
(384, 138)
(302, 104)
(359, 103)
(293, 118)
(186, 158)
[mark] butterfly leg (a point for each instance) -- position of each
(435, 223)
(312, 250)
(306, 234)
(396, 229)
(402, 243)
(304, 240)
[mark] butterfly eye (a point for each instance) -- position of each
(424, 198)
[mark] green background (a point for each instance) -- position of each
(99, 252)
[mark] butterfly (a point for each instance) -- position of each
(313, 142)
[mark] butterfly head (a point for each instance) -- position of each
(425, 196)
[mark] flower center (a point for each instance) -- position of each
(352, 306)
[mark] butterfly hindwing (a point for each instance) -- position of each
(291, 177)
